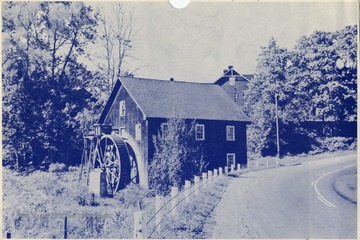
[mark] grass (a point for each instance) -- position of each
(346, 185)
(191, 217)
(34, 206)
(270, 162)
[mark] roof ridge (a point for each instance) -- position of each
(244, 77)
(168, 81)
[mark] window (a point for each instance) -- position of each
(230, 133)
(232, 81)
(138, 131)
(235, 95)
(200, 132)
(122, 108)
(164, 128)
(230, 157)
(165, 131)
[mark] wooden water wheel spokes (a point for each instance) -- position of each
(109, 161)
(134, 174)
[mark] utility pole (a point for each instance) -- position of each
(277, 130)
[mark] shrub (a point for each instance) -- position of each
(177, 156)
(57, 167)
(333, 144)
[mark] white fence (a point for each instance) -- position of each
(163, 209)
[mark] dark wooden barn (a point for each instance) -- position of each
(137, 107)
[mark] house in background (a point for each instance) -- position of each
(234, 84)
(138, 107)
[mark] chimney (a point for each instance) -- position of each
(171, 79)
(230, 67)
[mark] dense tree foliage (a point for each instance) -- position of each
(314, 81)
(268, 82)
(43, 81)
(50, 96)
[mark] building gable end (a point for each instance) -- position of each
(111, 100)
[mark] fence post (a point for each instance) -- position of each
(209, 175)
(187, 190)
(174, 192)
(159, 202)
(220, 171)
(232, 168)
(215, 172)
(196, 184)
(65, 227)
(140, 225)
(226, 170)
(204, 178)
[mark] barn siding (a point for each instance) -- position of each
(215, 146)
(133, 116)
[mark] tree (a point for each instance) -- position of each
(316, 78)
(116, 35)
(324, 72)
(177, 156)
(43, 81)
(269, 81)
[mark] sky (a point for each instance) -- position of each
(196, 43)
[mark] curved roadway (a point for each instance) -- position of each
(287, 202)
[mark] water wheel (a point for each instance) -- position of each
(134, 174)
(113, 158)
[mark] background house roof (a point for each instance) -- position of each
(166, 99)
(231, 72)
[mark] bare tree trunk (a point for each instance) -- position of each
(116, 37)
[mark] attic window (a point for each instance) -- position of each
(232, 81)
(122, 108)
(200, 132)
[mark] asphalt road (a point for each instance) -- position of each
(287, 202)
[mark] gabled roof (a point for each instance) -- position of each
(166, 99)
(238, 77)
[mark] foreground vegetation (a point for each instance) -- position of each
(35, 205)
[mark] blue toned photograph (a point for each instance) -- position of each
(179, 119)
